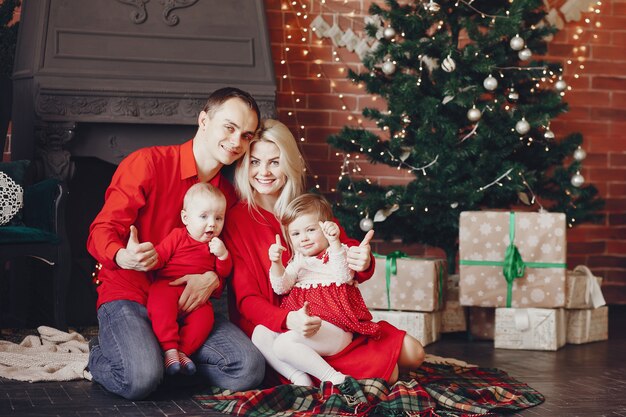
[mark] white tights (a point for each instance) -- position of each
(294, 356)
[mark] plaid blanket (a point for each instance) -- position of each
(433, 390)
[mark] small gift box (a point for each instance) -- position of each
(530, 328)
(425, 327)
(588, 325)
(583, 289)
(453, 315)
(482, 321)
(404, 283)
(512, 259)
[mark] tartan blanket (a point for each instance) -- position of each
(434, 390)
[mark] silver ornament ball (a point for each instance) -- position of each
(548, 134)
(448, 64)
(389, 67)
(389, 32)
(516, 43)
(474, 114)
(454, 205)
(490, 83)
(366, 224)
(522, 127)
(580, 154)
(560, 85)
(525, 54)
(578, 180)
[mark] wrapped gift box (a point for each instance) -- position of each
(583, 289)
(482, 321)
(537, 275)
(425, 327)
(530, 328)
(588, 325)
(453, 315)
(407, 284)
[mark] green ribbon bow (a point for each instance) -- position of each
(391, 268)
(513, 266)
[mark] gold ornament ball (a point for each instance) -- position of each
(474, 114)
(366, 224)
(525, 54)
(516, 43)
(490, 83)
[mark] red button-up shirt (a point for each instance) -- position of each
(147, 191)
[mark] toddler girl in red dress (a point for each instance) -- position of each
(319, 279)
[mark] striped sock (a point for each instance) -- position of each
(188, 367)
(172, 362)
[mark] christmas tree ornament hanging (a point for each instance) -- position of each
(366, 224)
(448, 64)
(490, 83)
(577, 179)
(389, 32)
(474, 114)
(454, 205)
(548, 134)
(389, 67)
(432, 6)
(525, 54)
(522, 126)
(560, 85)
(580, 154)
(512, 95)
(516, 43)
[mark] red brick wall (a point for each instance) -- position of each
(597, 102)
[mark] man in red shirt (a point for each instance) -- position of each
(142, 205)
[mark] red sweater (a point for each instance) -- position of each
(180, 255)
(248, 235)
(147, 191)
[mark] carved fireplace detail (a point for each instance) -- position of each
(100, 70)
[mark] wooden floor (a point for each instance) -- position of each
(578, 380)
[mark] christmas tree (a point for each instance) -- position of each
(469, 111)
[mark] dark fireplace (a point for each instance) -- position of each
(95, 80)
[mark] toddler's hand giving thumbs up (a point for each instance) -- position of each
(276, 250)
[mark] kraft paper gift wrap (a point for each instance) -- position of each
(583, 289)
(453, 315)
(405, 283)
(588, 325)
(530, 328)
(425, 327)
(512, 259)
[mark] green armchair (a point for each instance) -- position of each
(40, 233)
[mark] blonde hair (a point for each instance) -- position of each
(291, 163)
(304, 204)
(202, 189)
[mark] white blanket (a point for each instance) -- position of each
(54, 355)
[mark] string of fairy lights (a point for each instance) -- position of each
(303, 31)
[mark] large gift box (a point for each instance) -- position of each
(512, 259)
(482, 322)
(583, 289)
(453, 315)
(530, 328)
(425, 327)
(405, 283)
(588, 325)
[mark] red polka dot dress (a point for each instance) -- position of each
(325, 281)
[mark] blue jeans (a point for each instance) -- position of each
(128, 360)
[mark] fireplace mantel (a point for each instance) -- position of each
(136, 62)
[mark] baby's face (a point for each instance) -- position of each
(204, 217)
(306, 235)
